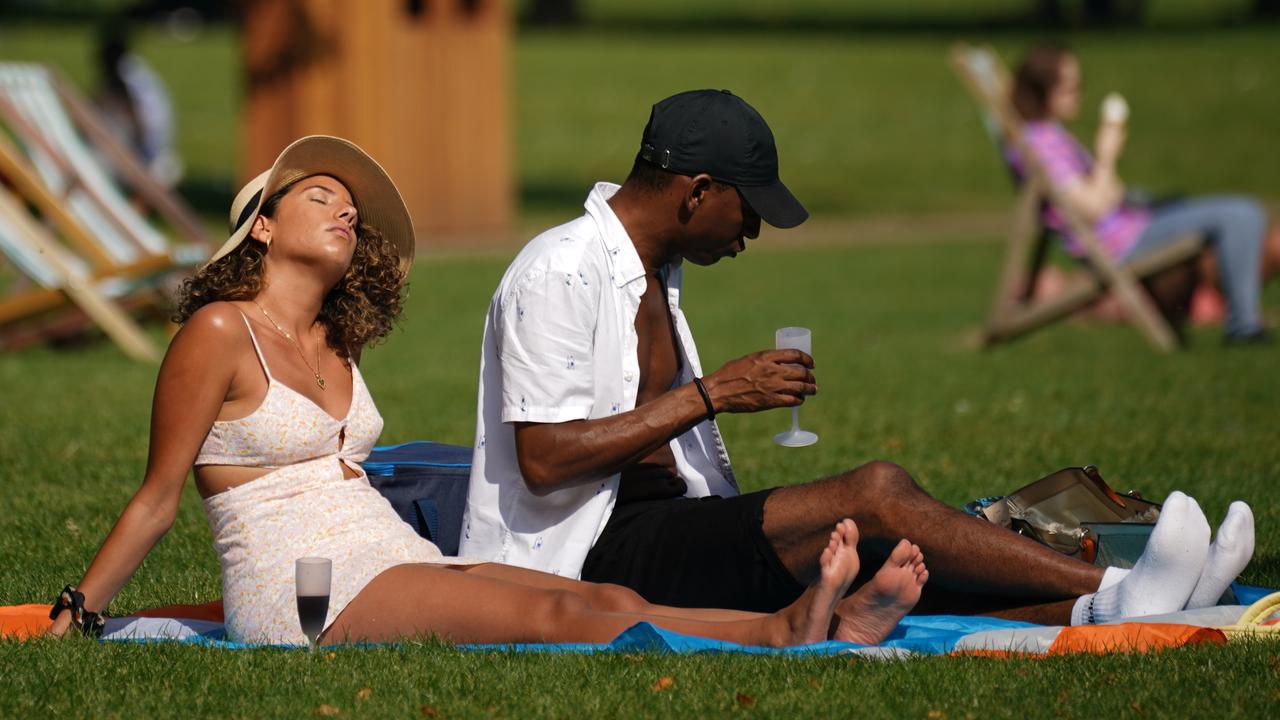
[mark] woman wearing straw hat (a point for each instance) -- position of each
(260, 393)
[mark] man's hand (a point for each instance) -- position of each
(762, 381)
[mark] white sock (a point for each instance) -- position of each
(1228, 555)
(1111, 576)
(1163, 578)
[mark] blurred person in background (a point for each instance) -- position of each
(1241, 252)
(135, 106)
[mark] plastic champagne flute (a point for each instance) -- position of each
(801, 339)
(312, 576)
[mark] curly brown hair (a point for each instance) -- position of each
(358, 311)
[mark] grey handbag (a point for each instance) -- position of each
(1075, 512)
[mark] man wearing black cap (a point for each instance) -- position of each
(597, 453)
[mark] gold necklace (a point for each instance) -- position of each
(314, 371)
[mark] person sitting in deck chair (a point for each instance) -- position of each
(1046, 94)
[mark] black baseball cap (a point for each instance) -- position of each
(718, 133)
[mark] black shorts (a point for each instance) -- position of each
(694, 552)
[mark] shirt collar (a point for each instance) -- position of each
(624, 261)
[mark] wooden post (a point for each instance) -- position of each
(422, 85)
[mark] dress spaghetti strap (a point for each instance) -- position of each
(256, 348)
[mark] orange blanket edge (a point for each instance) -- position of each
(21, 622)
(1131, 637)
(24, 621)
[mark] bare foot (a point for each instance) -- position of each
(808, 619)
(870, 614)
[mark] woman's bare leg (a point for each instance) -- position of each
(604, 596)
(463, 607)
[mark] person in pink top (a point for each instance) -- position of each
(1047, 94)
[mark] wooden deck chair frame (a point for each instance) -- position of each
(60, 278)
(1013, 312)
(71, 109)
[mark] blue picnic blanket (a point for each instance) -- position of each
(916, 634)
(925, 634)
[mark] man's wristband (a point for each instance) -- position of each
(706, 398)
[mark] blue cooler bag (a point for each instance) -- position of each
(426, 483)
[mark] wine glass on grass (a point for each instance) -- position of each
(312, 576)
(801, 339)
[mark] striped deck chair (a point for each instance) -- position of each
(1014, 312)
(78, 161)
(58, 277)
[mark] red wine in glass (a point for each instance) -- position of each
(312, 611)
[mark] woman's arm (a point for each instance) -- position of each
(193, 382)
(1101, 192)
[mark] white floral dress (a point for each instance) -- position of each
(304, 507)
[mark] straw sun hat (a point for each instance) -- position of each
(377, 200)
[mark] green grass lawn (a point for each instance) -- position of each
(895, 382)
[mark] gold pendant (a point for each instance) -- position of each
(320, 382)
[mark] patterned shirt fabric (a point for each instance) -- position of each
(304, 507)
(560, 345)
(1065, 161)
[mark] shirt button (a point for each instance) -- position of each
(628, 377)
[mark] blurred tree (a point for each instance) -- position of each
(1093, 12)
(1266, 8)
(135, 9)
(553, 12)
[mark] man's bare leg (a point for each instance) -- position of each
(938, 600)
(965, 554)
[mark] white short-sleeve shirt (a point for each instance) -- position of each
(560, 345)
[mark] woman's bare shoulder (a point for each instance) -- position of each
(218, 320)
(216, 326)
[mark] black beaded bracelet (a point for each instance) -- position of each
(86, 621)
(706, 398)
